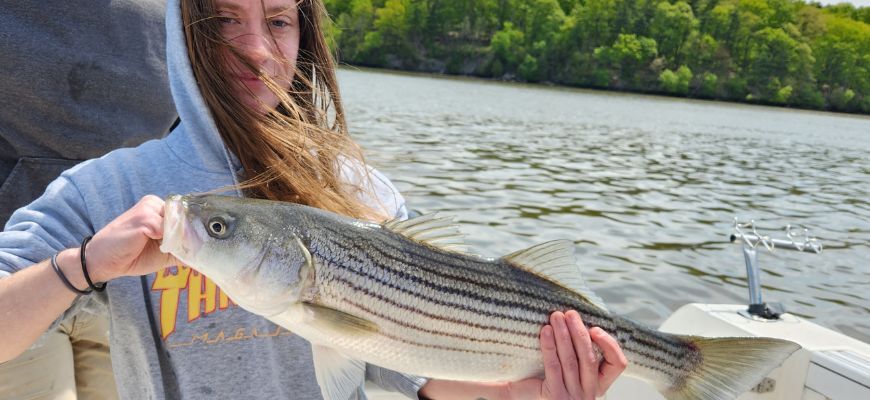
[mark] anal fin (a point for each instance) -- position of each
(339, 377)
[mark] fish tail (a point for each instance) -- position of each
(725, 368)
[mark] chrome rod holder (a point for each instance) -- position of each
(750, 255)
(750, 242)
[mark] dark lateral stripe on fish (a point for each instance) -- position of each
(458, 291)
(660, 368)
(391, 302)
(658, 363)
(669, 351)
(467, 263)
(658, 346)
(530, 286)
(646, 348)
(662, 340)
(672, 368)
(475, 267)
(644, 342)
(545, 295)
(432, 331)
(653, 359)
(453, 293)
(439, 347)
(674, 350)
(453, 263)
(646, 356)
(417, 281)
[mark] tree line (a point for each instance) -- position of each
(782, 52)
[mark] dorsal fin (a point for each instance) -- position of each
(554, 261)
(431, 229)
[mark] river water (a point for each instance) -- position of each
(647, 187)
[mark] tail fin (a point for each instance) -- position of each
(728, 367)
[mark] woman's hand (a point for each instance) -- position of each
(129, 245)
(572, 369)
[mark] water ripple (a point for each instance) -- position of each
(646, 187)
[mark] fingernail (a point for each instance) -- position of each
(547, 332)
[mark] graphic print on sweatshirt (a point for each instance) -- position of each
(190, 308)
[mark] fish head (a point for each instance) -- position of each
(242, 245)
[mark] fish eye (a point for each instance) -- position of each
(218, 228)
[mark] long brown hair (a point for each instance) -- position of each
(295, 152)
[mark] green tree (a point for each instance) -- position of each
(544, 19)
(529, 69)
(709, 84)
(676, 81)
(777, 51)
(774, 62)
(352, 26)
(392, 23)
(508, 48)
(842, 56)
(594, 23)
(783, 94)
(627, 56)
(671, 26)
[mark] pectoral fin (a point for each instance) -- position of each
(338, 376)
(335, 321)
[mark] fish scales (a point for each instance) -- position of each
(411, 256)
(387, 295)
(479, 281)
(473, 285)
(410, 276)
(444, 315)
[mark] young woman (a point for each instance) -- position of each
(256, 93)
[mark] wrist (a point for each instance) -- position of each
(69, 264)
(443, 389)
(504, 391)
(99, 286)
(70, 261)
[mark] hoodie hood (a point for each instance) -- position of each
(197, 133)
(198, 143)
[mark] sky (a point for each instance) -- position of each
(857, 3)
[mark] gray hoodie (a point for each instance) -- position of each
(173, 333)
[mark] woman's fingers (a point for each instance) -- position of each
(585, 355)
(151, 208)
(572, 368)
(596, 375)
(567, 356)
(127, 244)
(552, 366)
(614, 361)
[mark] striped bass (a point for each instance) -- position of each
(399, 295)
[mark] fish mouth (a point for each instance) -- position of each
(179, 237)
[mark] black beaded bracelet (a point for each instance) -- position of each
(66, 281)
(85, 267)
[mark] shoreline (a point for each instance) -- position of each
(597, 90)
